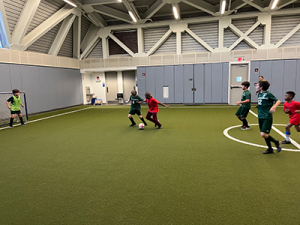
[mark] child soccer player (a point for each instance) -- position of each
(266, 108)
(14, 106)
(135, 107)
(245, 106)
(292, 108)
(153, 109)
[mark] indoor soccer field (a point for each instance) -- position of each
(85, 165)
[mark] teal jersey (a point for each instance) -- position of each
(134, 102)
(246, 95)
(265, 102)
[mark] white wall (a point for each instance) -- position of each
(89, 80)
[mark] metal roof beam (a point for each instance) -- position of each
(91, 33)
(47, 25)
(153, 9)
(203, 6)
(61, 35)
(256, 4)
(76, 37)
(160, 42)
(99, 2)
(5, 21)
(24, 21)
(286, 37)
(121, 44)
(113, 13)
(282, 3)
(198, 39)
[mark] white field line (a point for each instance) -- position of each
(225, 132)
(279, 132)
(49, 117)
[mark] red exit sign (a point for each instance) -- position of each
(239, 59)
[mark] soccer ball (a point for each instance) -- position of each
(141, 126)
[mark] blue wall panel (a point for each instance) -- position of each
(141, 80)
(5, 83)
(225, 84)
(178, 78)
(15, 76)
(208, 84)
(216, 79)
(150, 80)
(199, 83)
(159, 82)
(169, 82)
(27, 87)
(297, 90)
(276, 87)
(188, 83)
(254, 78)
(290, 73)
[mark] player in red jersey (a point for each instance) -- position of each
(153, 109)
(292, 108)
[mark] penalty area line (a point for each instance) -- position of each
(49, 117)
(278, 131)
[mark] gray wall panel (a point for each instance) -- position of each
(225, 84)
(27, 87)
(169, 82)
(52, 93)
(277, 79)
(159, 82)
(207, 81)
(178, 78)
(290, 73)
(36, 87)
(141, 80)
(199, 83)
(188, 83)
(254, 78)
(44, 84)
(297, 91)
(5, 83)
(60, 89)
(265, 70)
(150, 80)
(216, 79)
(15, 76)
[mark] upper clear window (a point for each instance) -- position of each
(3, 38)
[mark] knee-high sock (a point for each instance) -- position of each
(245, 122)
(132, 120)
(272, 139)
(21, 119)
(268, 142)
(11, 121)
(142, 119)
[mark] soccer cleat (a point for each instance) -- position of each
(131, 125)
(278, 146)
(156, 124)
(23, 124)
(160, 127)
(145, 124)
(268, 151)
(245, 128)
(11, 126)
(286, 142)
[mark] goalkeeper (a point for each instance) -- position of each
(14, 106)
(135, 107)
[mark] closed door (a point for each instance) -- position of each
(188, 84)
(128, 83)
(111, 86)
(238, 74)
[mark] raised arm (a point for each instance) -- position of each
(163, 105)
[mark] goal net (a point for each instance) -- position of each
(5, 112)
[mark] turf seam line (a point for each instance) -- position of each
(49, 117)
(279, 132)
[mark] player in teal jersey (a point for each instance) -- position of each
(266, 108)
(14, 103)
(245, 106)
(135, 107)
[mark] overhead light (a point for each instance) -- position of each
(119, 0)
(223, 6)
(274, 4)
(175, 12)
(70, 3)
(132, 16)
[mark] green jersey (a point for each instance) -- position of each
(246, 95)
(15, 103)
(134, 102)
(265, 102)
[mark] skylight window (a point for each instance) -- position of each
(3, 38)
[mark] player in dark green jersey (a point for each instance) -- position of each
(266, 108)
(245, 106)
(135, 107)
(14, 103)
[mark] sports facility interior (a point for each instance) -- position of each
(77, 160)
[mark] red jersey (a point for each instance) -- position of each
(292, 106)
(153, 105)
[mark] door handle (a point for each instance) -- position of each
(106, 89)
(231, 87)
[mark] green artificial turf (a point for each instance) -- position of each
(90, 167)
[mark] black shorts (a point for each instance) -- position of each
(15, 112)
(265, 125)
(242, 112)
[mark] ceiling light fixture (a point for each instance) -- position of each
(119, 0)
(175, 12)
(223, 6)
(70, 3)
(132, 16)
(274, 4)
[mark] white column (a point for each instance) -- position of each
(178, 42)
(120, 83)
